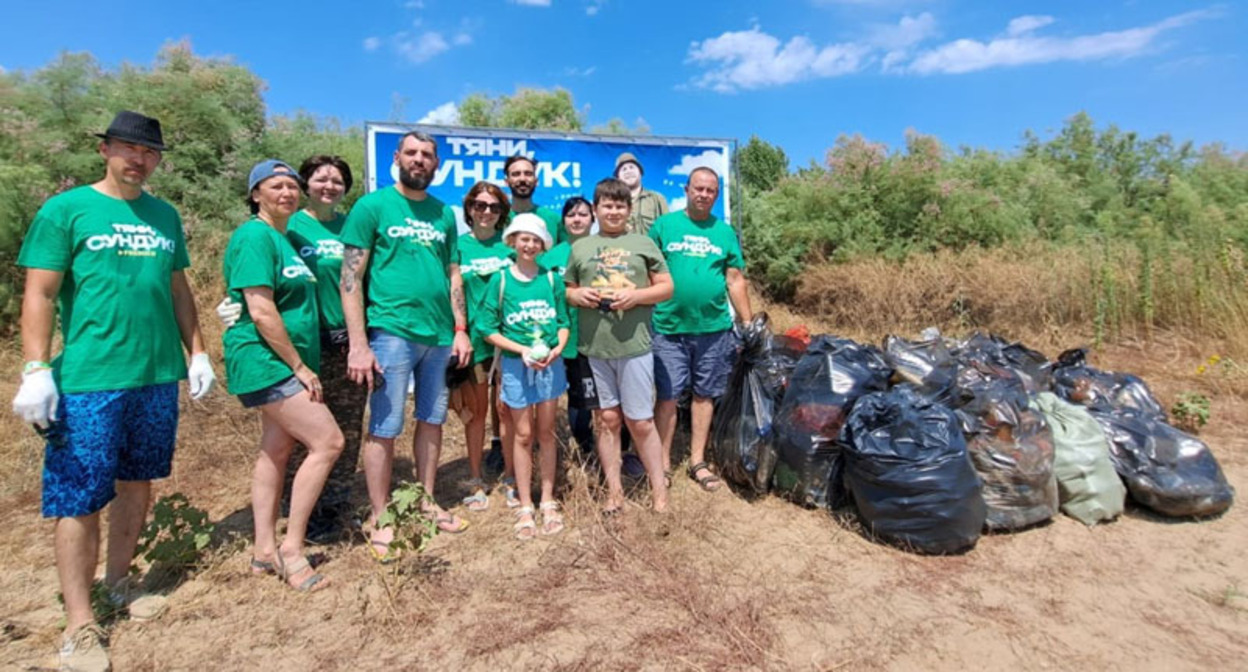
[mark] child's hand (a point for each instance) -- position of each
(585, 297)
(624, 299)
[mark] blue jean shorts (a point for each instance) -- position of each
(701, 360)
(522, 387)
(104, 437)
(275, 392)
(400, 359)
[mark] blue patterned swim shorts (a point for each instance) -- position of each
(103, 437)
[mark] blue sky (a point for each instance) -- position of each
(796, 72)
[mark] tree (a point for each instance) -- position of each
(761, 164)
(530, 109)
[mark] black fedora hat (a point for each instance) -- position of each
(133, 127)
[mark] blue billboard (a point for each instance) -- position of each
(568, 164)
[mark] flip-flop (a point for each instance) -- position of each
(284, 572)
(445, 522)
(387, 555)
(262, 567)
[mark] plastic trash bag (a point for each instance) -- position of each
(907, 467)
(1166, 470)
(828, 379)
(1087, 484)
(1103, 391)
(742, 441)
(928, 364)
(1032, 368)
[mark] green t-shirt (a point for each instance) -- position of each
(608, 263)
(319, 244)
(554, 222)
(528, 310)
(259, 256)
(699, 255)
(411, 246)
(480, 260)
(557, 260)
(116, 301)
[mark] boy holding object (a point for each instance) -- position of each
(523, 314)
(615, 278)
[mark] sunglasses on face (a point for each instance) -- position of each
(482, 206)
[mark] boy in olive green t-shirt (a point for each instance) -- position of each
(614, 279)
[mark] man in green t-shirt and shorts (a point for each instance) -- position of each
(400, 243)
(694, 346)
(112, 257)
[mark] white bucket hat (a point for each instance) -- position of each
(529, 223)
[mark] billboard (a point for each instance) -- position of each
(568, 164)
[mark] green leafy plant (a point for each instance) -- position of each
(177, 534)
(413, 526)
(1190, 411)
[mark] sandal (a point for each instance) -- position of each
(386, 555)
(552, 520)
(709, 483)
(477, 501)
(286, 572)
(450, 523)
(262, 567)
(509, 492)
(525, 527)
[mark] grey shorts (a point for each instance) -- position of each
(627, 382)
(275, 392)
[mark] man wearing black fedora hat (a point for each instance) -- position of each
(113, 257)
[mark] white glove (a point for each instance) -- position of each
(199, 375)
(37, 398)
(229, 311)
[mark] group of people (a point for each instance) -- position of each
(327, 311)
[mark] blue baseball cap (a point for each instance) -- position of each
(271, 168)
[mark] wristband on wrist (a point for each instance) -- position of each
(35, 365)
(461, 327)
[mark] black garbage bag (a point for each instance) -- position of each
(742, 442)
(828, 379)
(1011, 447)
(1032, 367)
(1166, 470)
(907, 468)
(1102, 391)
(928, 364)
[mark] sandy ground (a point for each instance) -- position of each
(719, 583)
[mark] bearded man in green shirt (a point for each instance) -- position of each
(399, 244)
(112, 258)
(520, 173)
(694, 345)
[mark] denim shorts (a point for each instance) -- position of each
(275, 392)
(703, 361)
(522, 387)
(104, 437)
(399, 359)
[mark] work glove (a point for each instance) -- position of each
(37, 398)
(200, 377)
(229, 311)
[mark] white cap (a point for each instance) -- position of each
(528, 222)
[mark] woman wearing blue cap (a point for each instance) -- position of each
(272, 355)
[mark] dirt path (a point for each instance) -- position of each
(720, 583)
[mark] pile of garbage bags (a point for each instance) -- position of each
(934, 441)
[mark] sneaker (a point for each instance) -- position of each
(84, 650)
(139, 604)
(632, 467)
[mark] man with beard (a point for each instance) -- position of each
(520, 173)
(647, 205)
(416, 322)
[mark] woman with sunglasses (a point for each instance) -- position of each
(480, 255)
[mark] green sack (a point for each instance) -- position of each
(1087, 483)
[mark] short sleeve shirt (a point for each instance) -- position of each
(557, 260)
(116, 301)
(259, 256)
(480, 260)
(529, 310)
(699, 255)
(319, 244)
(412, 246)
(608, 264)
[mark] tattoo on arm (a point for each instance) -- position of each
(457, 300)
(352, 258)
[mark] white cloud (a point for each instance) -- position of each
(571, 71)
(709, 158)
(594, 7)
(462, 39)
(531, 3)
(372, 43)
(1026, 48)
(751, 59)
(679, 203)
(420, 48)
(446, 114)
(907, 32)
(1026, 24)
